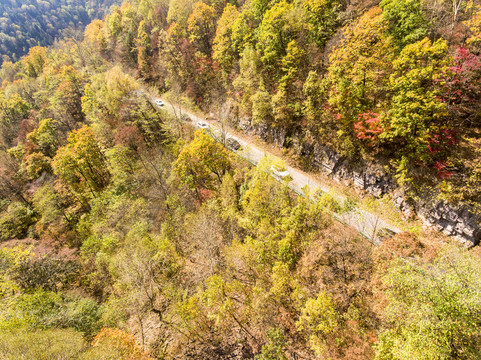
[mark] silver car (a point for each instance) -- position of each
(158, 102)
(279, 173)
(202, 125)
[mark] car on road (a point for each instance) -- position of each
(185, 118)
(202, 125)
(385, 233)
(232, 144)
(279, 173)
(158, 102)
(211, 117)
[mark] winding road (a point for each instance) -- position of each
(370, 225)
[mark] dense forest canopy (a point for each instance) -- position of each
(126, 235)
(28, 23)
(398, 83)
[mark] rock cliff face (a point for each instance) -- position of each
(457, 221)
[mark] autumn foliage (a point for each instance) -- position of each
(368, 128)
(122, 343)
(127, 234)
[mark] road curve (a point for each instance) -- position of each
(370, 225)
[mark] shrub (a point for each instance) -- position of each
(40, 345)
(15, 221)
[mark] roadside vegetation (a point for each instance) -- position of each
(127, 235)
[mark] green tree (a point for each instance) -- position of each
(15, 221)
(143, 49)
(243, 30)
(41, 345)
(34, 61)
(292, 64)
(263, 200)
(179, 11)
(45, 137)
(416, 106)
(224, 51)
(318, 319)
(407, 22)
(273, 349)
(51, 207)
(106, 94)
(247, 83)
(434, 308)
(201, 26)
(202, 163)
(67, 99)
(279, 26)
(322, 18)
(315, 98)
(81, 164)
(357, 68)
(127, 49)
(262, 112)
(35, 164)
(286, 103)
(13, 110)
(114, 21)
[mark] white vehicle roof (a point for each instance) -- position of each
(279, 173)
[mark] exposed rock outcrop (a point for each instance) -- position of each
(458, 221)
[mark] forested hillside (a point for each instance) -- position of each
(27, 23)
(126, 235)
(398, 82)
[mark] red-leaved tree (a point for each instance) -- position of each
(368, 127)
(462, 87)
(440, 144)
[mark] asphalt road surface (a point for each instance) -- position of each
(366, 223)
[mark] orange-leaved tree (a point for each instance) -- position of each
(202, 163)
(116, 342)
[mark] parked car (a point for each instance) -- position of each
(385, 233)
(158, 102)
(202, 125)
(185, 118)
(211, 117)
(232, 144)
(279, 173)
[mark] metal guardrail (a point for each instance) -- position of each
(302, 194)
(298, 192)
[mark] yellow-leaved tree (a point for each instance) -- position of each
(202, 163)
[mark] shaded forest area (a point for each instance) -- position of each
(28, 23)
(398, 83)
(127, 235)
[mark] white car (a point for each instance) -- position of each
(158, 102)
(279, 173)
(202, 125)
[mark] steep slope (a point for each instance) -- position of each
(125, 234)
(28, 23)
